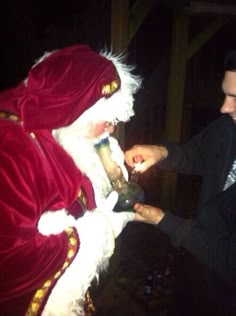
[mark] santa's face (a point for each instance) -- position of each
(94, 130)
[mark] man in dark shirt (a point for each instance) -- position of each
(207, 278)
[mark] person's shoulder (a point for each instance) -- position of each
(224, 119)
(220, 129)
(223, 123)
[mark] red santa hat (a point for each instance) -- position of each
(64, 84)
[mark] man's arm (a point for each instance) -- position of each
(215, 249)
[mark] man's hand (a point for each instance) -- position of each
(142, 157)
(148, 214)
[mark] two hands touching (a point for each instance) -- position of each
(118, 220)
(147, 156)
(140, 158)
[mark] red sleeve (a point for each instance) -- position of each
(27, 258)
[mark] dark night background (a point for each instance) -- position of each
(29, 28)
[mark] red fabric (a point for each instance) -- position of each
(60, 88)
(36, 175)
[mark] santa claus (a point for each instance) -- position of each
(58, 227)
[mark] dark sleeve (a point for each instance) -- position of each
(187, 158)
(193, 157)
(218, 251)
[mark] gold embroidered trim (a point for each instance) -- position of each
(110, 88)
(89, 308)
(82, 198)
(9, 116)
(39, 296)
(14, 118)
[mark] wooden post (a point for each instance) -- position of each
(119, 42)
(181, 51)
(174, 109)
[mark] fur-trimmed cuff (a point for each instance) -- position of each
(41, 295)
(97, 245)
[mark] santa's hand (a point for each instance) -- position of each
(117, 220)
(118, 156)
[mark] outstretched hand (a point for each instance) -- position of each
(148, 214)
(142, 157)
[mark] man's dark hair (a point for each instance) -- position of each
(230, 61)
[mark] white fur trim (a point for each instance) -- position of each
(96, 247)
(118, 156)
(54, 222)
(85, 157)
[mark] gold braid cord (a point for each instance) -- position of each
(42, 293)
(89, 308)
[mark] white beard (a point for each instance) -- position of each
(85, 157)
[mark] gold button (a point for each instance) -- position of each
(56, 276)
(35, 307)
(70, 253)
(39, 293)
(32, 135)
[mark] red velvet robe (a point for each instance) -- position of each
(36, 175)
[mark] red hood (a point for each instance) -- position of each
(60, 88)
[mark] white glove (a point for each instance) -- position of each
(97, 244)
(97, 230)
(118, 156)
(118, 220)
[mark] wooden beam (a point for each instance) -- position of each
(119, 25)
(181, 52)
(174, 108)
(137, 14)
(124, 25)
(201, 7)
(205, 35)
(119, 43)
(126, 21)
(176, 81)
